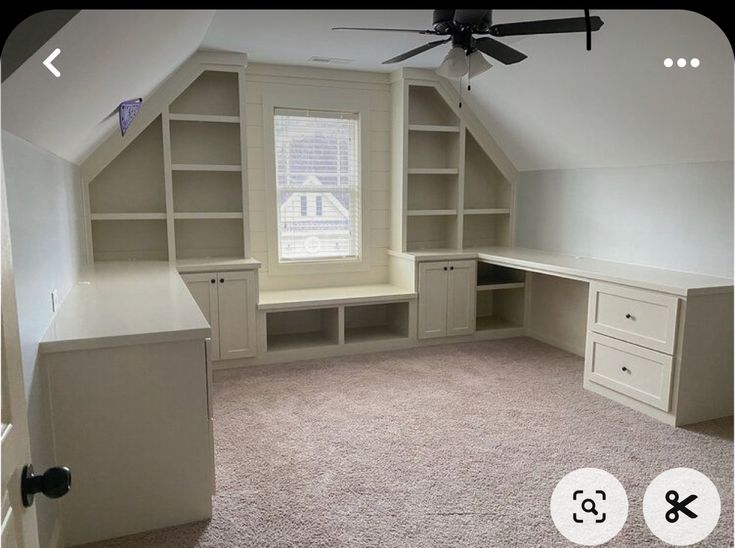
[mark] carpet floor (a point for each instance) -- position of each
(452, 445)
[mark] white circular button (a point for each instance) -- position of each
(681, 506)
(668, 62)
(681, 62)
(589, 506)
(694, 62)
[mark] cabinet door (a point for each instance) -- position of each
(433, 299)
(203, 288)
(461, 297)
(237, 299)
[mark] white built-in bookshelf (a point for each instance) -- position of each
(178, 190)
(453, 194)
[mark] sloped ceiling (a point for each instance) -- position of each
(563, 107)
(107, 56)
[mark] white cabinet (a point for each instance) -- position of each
(203, 288)
(227, 300)
(446, 298)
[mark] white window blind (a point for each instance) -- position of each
(318, 184)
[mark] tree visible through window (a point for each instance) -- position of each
(318, 184)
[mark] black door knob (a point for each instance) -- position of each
(221, 280)
(629, 316)
(213, 280)
(54, 483)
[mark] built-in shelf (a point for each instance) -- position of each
(205, 167)
(488, 211)
(491, 287)
(486, 323)
(430, 212)
(205, 118)
(295, 329)
(434, 128)
(127, 216)
(376, 322)
(433, 171)
(209, 215)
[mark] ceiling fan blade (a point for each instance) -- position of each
(547, 26)
(416, 51)
(497, 50)
(417, 31)
(469, 17)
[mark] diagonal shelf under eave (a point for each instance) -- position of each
(206, 167)
(433, 171)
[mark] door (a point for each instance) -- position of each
(18, 523)
(203, 288)
(433, 299)
(236, 296)
(461, 297)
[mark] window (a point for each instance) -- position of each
(317, 184)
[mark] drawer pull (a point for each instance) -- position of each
(629, 316)
(625, 369)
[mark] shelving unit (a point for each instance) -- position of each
(447, 193)
(500, 309)
(500, 297)
(179, 189)
(294, 329)
(376, 322)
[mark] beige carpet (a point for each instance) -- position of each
(453, 445)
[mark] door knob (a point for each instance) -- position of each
(54, 483)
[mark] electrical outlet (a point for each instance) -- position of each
(54, 300)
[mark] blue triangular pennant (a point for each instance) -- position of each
(128, 111)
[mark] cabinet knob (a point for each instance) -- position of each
(221, 280)
(624, 368)
(451, 268)
(445, 268)
(213, 281)
(629, 316)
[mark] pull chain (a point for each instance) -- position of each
(460, 92)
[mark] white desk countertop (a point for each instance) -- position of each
(124, 303)
(583, 268)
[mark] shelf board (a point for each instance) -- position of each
(488, 211)
(430, 212)
(370, 334)
(204, 118)
(296, 341)
(127, 216)
(209, 215)
(509, 285)
(433, 171)
(205, 167)
(433, 127)
(487, 323)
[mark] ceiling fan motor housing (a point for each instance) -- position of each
(443, 20)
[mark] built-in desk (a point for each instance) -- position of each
(129, 389)
(659, 341)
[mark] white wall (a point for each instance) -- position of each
(678, 217)
(265, 79)
(44, 210)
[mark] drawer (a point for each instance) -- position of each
(641, 317)
(642, 374)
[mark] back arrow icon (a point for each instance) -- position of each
(49, 59)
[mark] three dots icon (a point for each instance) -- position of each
(681, 62)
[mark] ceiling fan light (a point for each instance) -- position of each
(454, 64)
(478, 64)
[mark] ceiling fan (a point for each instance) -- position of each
(461, 26)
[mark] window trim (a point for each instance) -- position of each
(316, 98)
